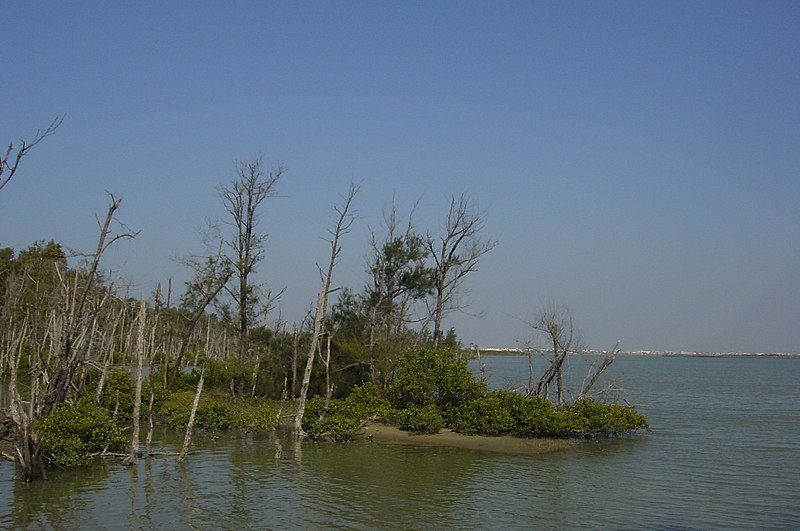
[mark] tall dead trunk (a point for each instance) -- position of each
(295, 355)
(255, 377)
(137, 397)
(328, 386)
(187, 438)
(318, 320)
(559, 380)
(343, 225)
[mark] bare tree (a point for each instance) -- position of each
(398, 276)
(343, 223)
(14, 154)
(79, 316)
(70, 333)
(596, 371)
(557, 324)
(211, 275)
(187, 438)
(242, 199)
(455, 253)
(137, 399)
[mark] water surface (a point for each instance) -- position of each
(724, 452)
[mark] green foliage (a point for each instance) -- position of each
(431, 389)
(419, 419)
(608, 419)
(340, 423)
(508, 413)
(424, 377)
(490, 414)
(119, 387)
(345, 417)
(450, 340)
(217, 412)
(257, 414)
(71, 433)
(219, 373)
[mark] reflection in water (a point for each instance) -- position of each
(722, 453)
(133, 518)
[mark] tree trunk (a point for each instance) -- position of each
(438, 311)
(295, 355)
(187, 438)
(342, 227)
(137, 397)
(301, 406)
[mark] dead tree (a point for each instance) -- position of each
(211, 275)
(242, 199)
(137, 397)
(70, 328)
(187, 438)
(14, 154)
(455, 253)
(78, 318)
(295, 353)
(557, 324)
(343, 223)
(595, 373)
(398, 276)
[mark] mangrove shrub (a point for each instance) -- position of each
(72, 432)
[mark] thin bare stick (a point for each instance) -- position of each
(187, 438)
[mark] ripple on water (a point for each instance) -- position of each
(722, 454)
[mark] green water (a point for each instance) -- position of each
(724, 452)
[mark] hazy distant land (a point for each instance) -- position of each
(510, 351)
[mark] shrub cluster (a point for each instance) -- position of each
(72, 432)
(217, 412)
(432, 389)
(345, 417)
(509, 413)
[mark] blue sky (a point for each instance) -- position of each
(640, 162)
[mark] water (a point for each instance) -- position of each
(723, 453)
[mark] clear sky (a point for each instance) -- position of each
(640, 160)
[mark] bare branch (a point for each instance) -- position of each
(11, 159)
(456, 253)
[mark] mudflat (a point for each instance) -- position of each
(448, 438)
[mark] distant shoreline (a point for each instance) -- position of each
(642, 353)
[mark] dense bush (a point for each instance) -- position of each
(256, 414)
(340, 422)
(218, 373)
(431, 389)
(71, 433)
(119, 388)
(345, 417)
(490, 414)
(217, 412)
(419, 419)
(607, 419)
(424, 377)
(508, 413)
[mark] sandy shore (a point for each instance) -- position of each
(447, 438)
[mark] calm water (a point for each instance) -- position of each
(724, 452)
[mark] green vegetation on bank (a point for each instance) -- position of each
(427, 390)
(218, 412)
(431, 389)
(73, 432)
